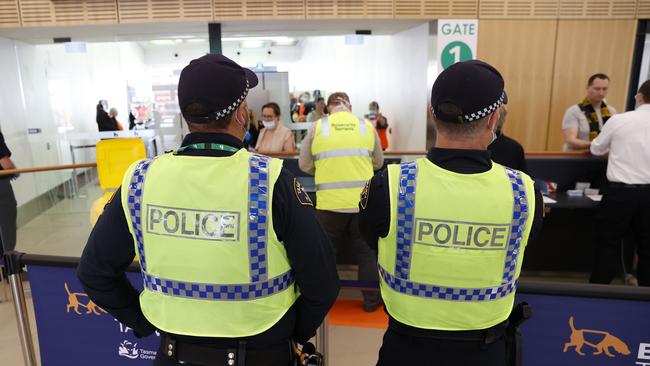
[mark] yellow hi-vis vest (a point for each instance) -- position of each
(203, 228)
(342, 150)
(452, 257)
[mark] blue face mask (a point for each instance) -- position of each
(247, 136)
(372, 115)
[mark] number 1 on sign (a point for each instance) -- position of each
(456, 52)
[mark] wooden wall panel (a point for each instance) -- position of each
(597, 9)
(67, 12)
(522, 50)
(435, 9)
(145, 11)
(643, 9)
(258, 9)
(9, 13)
(514, 9)
(586, 47)
(349, 9)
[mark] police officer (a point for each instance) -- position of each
(452, 231)
(234, 262)
(341, 150)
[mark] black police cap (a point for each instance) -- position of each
(217, 83)
(466, 92)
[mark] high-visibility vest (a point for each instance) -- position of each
(342, 151)
(203, 228)
(452, 257)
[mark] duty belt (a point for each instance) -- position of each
(203, 355)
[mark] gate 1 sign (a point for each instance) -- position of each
(456, 41)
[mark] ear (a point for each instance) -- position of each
(494, 119)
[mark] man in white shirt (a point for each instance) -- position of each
(583, 121)
(626, 202)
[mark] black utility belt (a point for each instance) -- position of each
(486, 336)
(239, 355)
(625, 185)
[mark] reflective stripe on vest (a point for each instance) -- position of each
(405, 221)
(338, 185)
(260, 285)
(342, 153)
(325, 127)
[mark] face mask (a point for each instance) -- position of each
(270, 125)
(372, 115)
(244, 125)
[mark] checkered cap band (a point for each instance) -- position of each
(233, 106)
(485, 111)
(399, 281)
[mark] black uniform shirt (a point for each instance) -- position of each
(374, 219)
(4, 153)
(110, 250)
(507, 151)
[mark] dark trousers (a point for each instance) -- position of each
(162, 360)
(7, 216)
(343, 229)
(400, 349)
(623, 211)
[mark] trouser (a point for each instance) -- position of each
(622, 210)
(7, 216)
(343, 229)
(402, 349)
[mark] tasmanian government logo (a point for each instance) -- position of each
(128, 350)
(607, 343)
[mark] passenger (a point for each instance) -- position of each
(319, 111)
(625, 206)
(104, 121)
(380, 122)
(112, 113)
(583, 121)
(274, 137)
(448, 264)
(8, 210)
(342, 150)
(235, 265)
(505, 150)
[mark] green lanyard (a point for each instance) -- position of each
(209, 146)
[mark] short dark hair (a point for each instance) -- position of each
(320, 99)
(466, 129)
(199, 110)
(334, 98)
(597, 76)
(644, 90)
(274, 106)
(374, 104)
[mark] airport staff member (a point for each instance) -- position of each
(341, 150)
(582, 122)
(234, 262)
(625, 205)
(452, 231)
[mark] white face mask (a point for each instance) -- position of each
(270, 125)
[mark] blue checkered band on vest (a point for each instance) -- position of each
(405, 214)
(261, 285)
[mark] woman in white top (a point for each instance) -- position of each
(274, 137)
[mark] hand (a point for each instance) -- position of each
(15, 176)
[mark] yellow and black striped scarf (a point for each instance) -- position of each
(592, 116)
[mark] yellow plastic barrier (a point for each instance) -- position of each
(114, 156)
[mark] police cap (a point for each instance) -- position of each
(466, 92)
(217, 83)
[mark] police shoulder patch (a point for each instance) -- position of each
(364, 195)
(301, 194)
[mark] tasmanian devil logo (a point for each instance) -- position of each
(74, 302)
(577, 340)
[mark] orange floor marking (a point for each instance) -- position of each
(348, 313)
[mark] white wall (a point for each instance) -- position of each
(44, 87)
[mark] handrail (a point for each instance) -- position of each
(525, 285)
(534, 154)
(47, 168)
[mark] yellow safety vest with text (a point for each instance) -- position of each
(342, 151)
(452, 257)
(211, 262)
